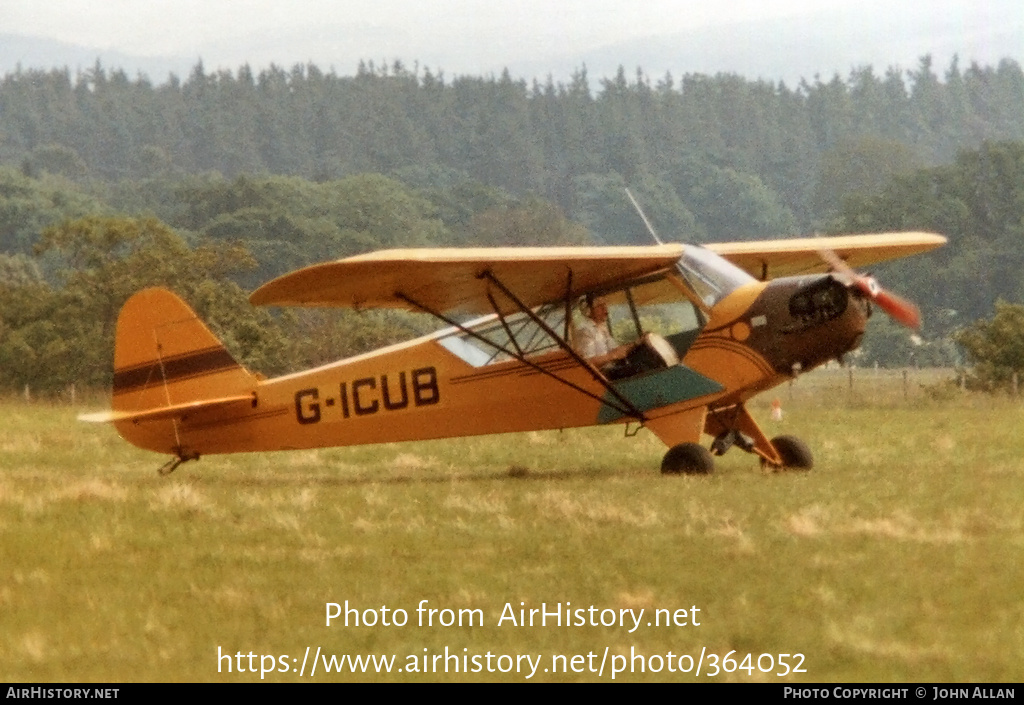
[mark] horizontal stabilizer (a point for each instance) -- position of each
(174, 411)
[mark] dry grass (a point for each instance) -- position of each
(896, 559)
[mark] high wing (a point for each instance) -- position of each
(455, 280)
(462, 280)
(770, 259)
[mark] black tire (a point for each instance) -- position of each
(794, 453)
(688, 459)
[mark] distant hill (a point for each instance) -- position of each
(40, 53)
(802, 48)
(822, 44)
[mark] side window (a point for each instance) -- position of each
(518, 335)
(657, 305)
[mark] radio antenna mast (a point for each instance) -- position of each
(640, 211)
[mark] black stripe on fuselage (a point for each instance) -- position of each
(198, 363)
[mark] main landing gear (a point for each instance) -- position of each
(695, 459)
(688, 459)
(794, 453)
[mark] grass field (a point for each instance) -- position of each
(898, 558)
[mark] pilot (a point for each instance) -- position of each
(593, 340)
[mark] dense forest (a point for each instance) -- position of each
(220, 181)
(721, 156)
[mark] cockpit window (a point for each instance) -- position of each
(518, 334)
(656, 305)
(711, 276)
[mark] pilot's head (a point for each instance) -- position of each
(596, 308)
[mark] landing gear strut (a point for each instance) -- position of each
(725, 440)
(695, 459)
(730, 426)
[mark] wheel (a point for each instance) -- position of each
(794, 453)
(687, 459)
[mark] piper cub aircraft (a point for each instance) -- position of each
(690, 335)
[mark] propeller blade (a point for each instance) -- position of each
(836, 263)
(899, 309)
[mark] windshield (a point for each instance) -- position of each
(711, 276)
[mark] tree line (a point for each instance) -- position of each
(717, 157)
(711, 159)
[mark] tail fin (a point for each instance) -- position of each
(168, 366)
(165, 356)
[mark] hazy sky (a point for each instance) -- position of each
(460, 36)
(157, 27)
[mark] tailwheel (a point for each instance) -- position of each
(794, 453)
(183, 456)
(687, 459)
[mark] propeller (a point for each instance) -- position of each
(899, 309)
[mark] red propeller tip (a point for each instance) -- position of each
(901, 310)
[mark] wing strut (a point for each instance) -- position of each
(512, 354)
(564, 344)
(508, 331)
(624, 407)
(568, 303)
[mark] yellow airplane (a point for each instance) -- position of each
(675, 338)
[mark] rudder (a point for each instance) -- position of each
(164, 355)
